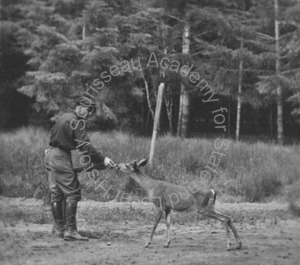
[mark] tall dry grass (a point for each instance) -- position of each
(248, 172)
(21, 160)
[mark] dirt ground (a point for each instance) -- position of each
(270, 239)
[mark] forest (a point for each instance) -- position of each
(239, 56)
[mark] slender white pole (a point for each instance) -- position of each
(159, 101)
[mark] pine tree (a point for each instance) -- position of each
(278, 81)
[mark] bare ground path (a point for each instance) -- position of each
(119, 230)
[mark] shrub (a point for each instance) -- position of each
(251, 171)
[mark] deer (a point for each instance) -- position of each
(167, 197)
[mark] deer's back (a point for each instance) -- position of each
(179, 198)
(167, 195)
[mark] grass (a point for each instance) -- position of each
(244, 172)
(21, 159)
(14, 214)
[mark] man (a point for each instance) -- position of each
(69, 133)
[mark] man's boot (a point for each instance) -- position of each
(71, 232)
(58, 215)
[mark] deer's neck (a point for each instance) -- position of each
(144, 181)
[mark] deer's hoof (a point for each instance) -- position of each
(167, 244)
(147, 244)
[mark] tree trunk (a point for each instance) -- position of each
(229, 118)
(148, 97)
(183, 117)
(84, 29)
(239, 96)
(169, 107)
(271, 120)
(179, 124)
(278, 89)
(185, 113)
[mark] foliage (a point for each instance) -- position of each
(249, 172)
(69, 44)
(288, 53)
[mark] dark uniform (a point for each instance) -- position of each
(68, 133)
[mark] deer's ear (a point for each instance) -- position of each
(142, 163)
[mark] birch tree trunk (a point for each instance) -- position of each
(185, 113)
(239, 96)
(148, 98)
(179, 124)
(278, 89)
(184, 109)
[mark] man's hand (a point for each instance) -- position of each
(109, 162)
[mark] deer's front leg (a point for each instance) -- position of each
(168, 224)
(157, 219)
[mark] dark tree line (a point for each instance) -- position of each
(247, 51)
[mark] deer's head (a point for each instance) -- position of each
(133, 166)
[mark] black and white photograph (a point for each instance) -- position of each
(150, 132)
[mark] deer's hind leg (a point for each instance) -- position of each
(157, 219)
(228, 224)
(168, 224)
